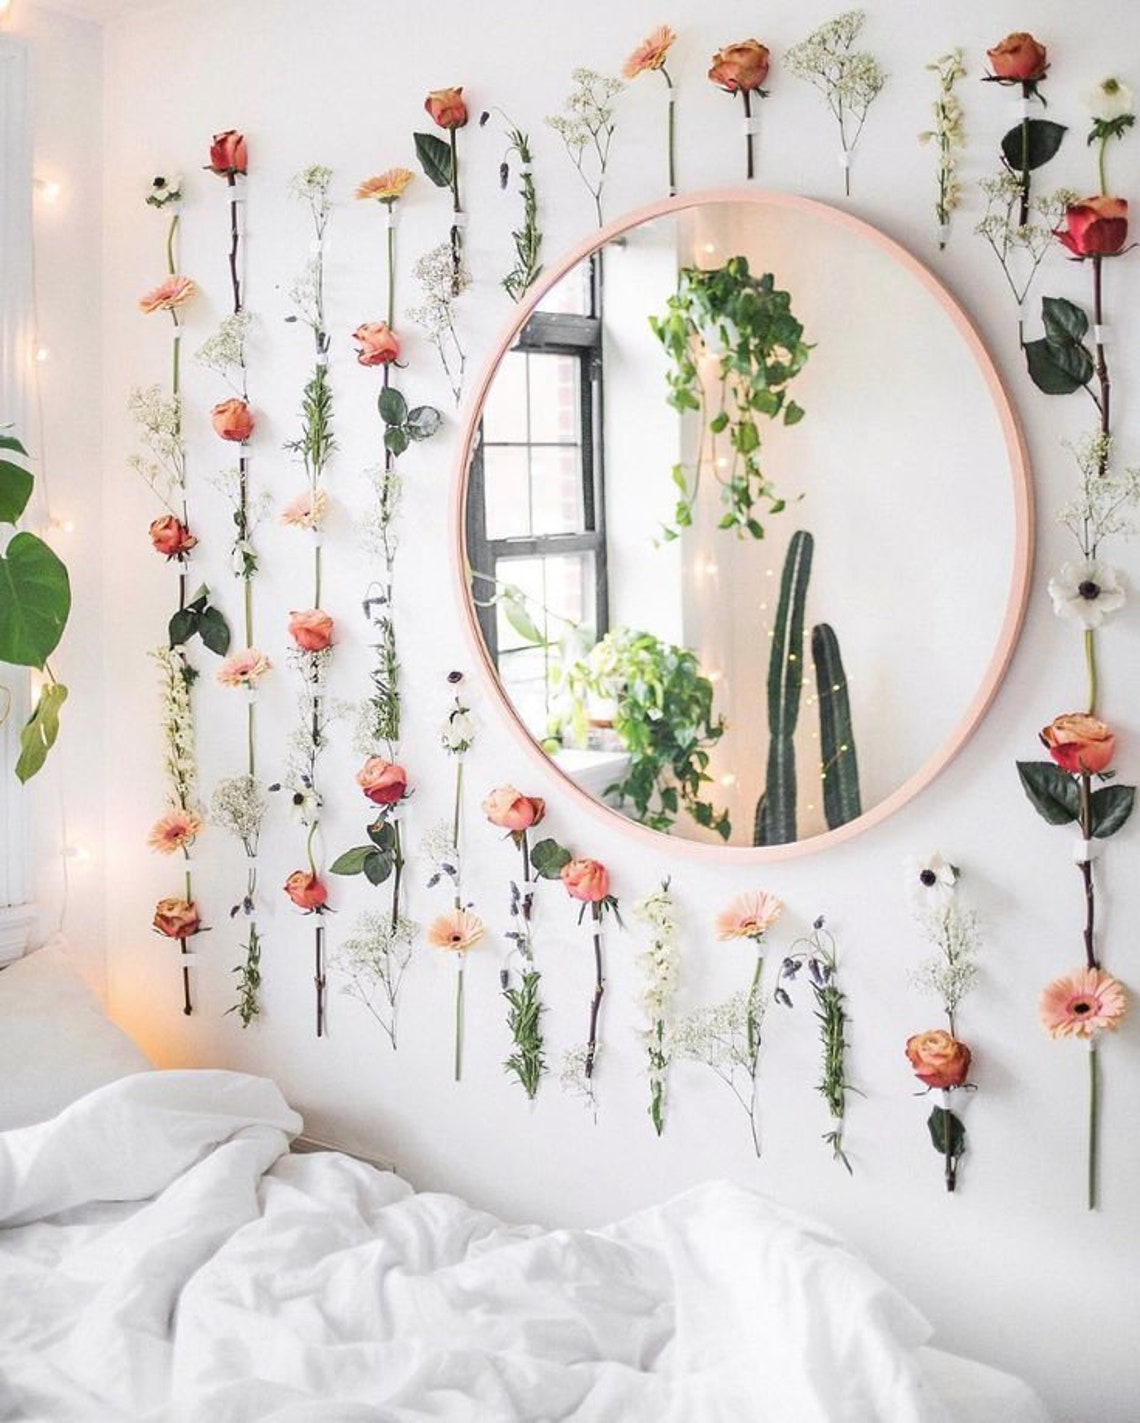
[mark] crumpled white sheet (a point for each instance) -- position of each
(163, 1258)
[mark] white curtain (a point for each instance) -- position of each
(16, 408)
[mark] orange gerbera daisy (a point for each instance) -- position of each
(650, 53)
(749, 915)
(174, 831)
(458, 931)
(386, 187)
(1082, 1004)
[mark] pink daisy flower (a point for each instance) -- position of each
(174, 831)
(1082, 1004)
(749, 915)
(244, 669)
(173, 293)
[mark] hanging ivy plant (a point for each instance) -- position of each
(746, 324)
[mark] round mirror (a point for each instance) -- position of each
(745, 522)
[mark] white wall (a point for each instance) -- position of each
(1011, 1269)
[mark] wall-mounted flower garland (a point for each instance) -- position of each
(742, 68)
(661, 965)
(649, 57)
(312, 629)
(586, 127)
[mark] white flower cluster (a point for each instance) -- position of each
(311, 185)
(951, 971)
(379, 525)
(661, 961)
(1108, 498)
(589, 108)
(442, 284)
(717, 1034)
(439, 849)
(239, 805)
(224, 351)
(159, 418)
(179, 762)
(847, 78)
(374, 959)
(572, 1076)
(305, 295)
(949, 131)
(999, 227)
(457, 735)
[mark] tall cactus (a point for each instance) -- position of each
(841, 801)
(776, 812)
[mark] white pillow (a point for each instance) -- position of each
(56, 1044)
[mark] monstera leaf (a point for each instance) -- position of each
(35, 599)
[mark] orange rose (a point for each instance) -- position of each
(510, 810)
(233, 420)
(228, 153)
(171, 537)
(1019, 59)
(383, 782)
(306, 891)
(740, 68)
(1079, 742)
(312, 631)
(938, 1059)
(176, 918)
(1097, 227)
(379, 344)
(586, 880)
(446, 107)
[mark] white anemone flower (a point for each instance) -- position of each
(1111, 99)
(931, 879)
(1086, 592)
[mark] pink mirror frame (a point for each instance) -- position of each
(1022, 553)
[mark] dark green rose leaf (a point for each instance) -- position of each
(423, 422)
(435, 158)
(1111, 806)
(548, 857)
(396, 439)
(1058, 369)
(40, 731)
(1055, 794)
(215, 631)
(1042, 140)
(16, 485)
(942, 1125)
(1065, 322)
(392, 406)
(35, 599)
(382, 835)
(183, 625)
(378, 866)
(352, 861)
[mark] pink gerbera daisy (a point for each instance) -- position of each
(1082, 1004)
(458, 931)
(173, 293)
(749, 915)
(174, 832)
(244, 669)
(307, 510)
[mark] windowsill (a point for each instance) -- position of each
(592, 770)
(16, 922)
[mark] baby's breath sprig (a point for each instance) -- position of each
(586, 126)
(849, 79)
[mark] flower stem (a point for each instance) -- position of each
(753, 998)
(950, 1165)
(747, 97)
(459, 1020)
(397, 875)
(672, 131)
(1090, 667)
(234, 238)
(319, 978)
(599, 989)
(1094, 1124)
(172, 231)
(1100, 166)
(391, 277)
(1023, 216)
(187, 1006)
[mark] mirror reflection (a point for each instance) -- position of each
(740, 522)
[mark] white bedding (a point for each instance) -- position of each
(164, 1258)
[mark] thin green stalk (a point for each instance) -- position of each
(459, 1020)
(172, 231)
(1100, 165)
(1023, 216)
(391, 272)
(249, 711)
(176, 356)
(317, 576)
(397, 875)
(1094, 1124)
(753, 998)
(455, 820)
(672, 129)
(1090, 667)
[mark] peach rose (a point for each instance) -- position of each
(306, 891)
(446, 107)
(312, 630)
(1096, 227)
(1080, 743)
(379, 344)
(228, 154)
(938, 1059)
(386, 187)
(740, 68)
(177, 918)
(510, 810)
(1019, 59)
(586, 880)
(171, 537)
(233, 420)
(383, 782)
(174, 292)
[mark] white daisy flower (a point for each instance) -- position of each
(1086, 592)
(1111, 99)
(931, 879)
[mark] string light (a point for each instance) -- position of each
(48, 190)
(42, 354)
(80, 854)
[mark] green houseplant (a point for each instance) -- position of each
(35, 601)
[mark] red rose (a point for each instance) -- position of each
(233, 420)
(740, 68)
(586, 880)
(1080, 743)
(446, 107)
(228, 153)
(379, 344)
(312, 631)
(176, 918)
(938, 1059)
(306, 891)
(171, 537)
(1019, 59)
(383, 782)
(1097, 227)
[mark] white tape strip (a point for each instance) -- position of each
(459, 219)
(1101, 335)
(1085, 851)
(750, 124)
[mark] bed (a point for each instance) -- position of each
(165, 1256)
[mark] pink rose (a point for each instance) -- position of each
(1080, 743)
(1019, 59)
(740, 68)
(446, 107)
(306, 891)
(383, 782)
(1096, 227)
(228, 153)
(233, 420)
(176, 918)
(312, 631)
(379, 344)
(938, 1059)
(586, 880)
(512, 811)
(171, 537)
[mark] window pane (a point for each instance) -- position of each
(556, 490)
(506, 491)
(504, 414)
(555, 411)
(523, 674)
(571, 295)
(558, 590)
